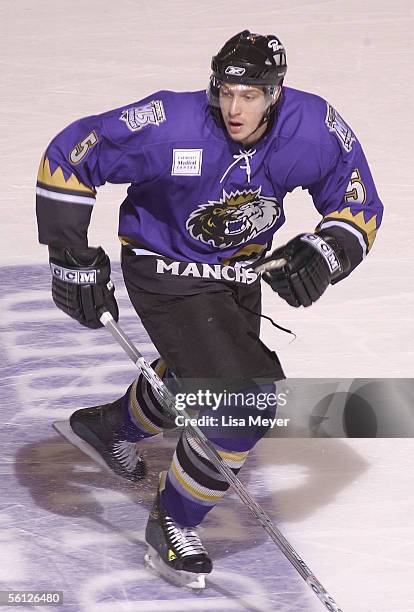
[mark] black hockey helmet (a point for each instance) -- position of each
(248, 59)
(251, 59)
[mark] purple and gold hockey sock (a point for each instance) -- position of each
(143, 413)
(193, 485)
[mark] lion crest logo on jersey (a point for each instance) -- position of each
(236, 218)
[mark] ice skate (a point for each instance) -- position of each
(98, 432)
(175, 553)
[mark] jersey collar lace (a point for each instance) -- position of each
(242, 155)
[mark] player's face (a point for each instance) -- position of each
(243, 107)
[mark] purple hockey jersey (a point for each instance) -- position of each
(195, 194)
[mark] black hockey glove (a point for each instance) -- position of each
(301, 270)
(81, 283)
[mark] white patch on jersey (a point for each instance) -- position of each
(336, 124)
(187, 162)
(138, 117)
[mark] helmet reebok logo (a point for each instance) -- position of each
(235, 70)
(234, 219)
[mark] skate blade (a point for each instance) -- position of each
(64, 429)
(189, 580)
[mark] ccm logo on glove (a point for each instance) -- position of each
(325, 250)
(301, 270)
(81, 283)
(78, 277)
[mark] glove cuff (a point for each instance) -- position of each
(84, 256)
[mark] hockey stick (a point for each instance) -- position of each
(168, 400)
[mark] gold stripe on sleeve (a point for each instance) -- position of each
(368, 228)
(57, 179)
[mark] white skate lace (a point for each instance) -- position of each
(185, 540)
(127, 454)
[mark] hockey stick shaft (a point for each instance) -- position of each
(257, 511)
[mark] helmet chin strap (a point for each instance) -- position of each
(266, 117)
(262, 121)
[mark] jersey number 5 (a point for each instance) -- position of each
(79, 152)
(355, 192)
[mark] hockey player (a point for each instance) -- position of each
(208, 175)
